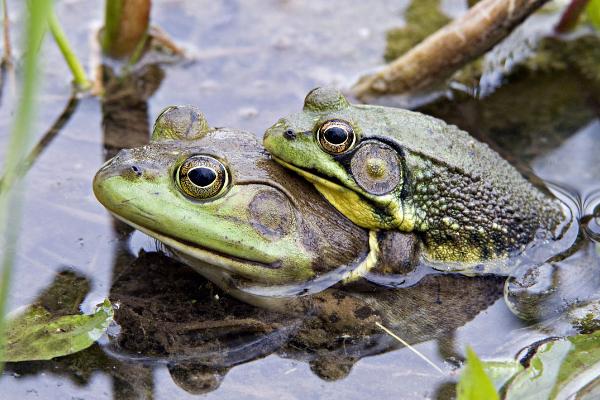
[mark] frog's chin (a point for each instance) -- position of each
(350, 203)
(229, 263)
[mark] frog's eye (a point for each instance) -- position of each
(335, 136)
(202, 177)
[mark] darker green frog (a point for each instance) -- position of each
(394, 169)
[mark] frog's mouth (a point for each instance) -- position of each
(228, 262)
(352, 204)
(246, 289)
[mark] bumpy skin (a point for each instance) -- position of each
(413, 172)
(265, 227)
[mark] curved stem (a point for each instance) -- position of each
(75, 66)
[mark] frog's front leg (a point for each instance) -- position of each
(391, 254)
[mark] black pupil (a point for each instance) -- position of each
(335, 135)
(202, 176)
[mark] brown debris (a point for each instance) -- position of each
(447, 50)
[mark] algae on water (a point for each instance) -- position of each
(423, 17)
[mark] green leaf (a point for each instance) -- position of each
(560, 369)
(501, 372)
(474, 383)
(36, 334)
(593, 13)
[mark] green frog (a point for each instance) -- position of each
(217, 201)
(394, 169)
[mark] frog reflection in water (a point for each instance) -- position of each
(169, 313)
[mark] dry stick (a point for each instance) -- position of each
(444, 52)
(405, 343)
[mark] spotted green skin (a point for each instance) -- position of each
(464, 200)
(266, 228)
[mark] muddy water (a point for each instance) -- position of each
(247, 64)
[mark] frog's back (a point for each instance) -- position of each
(456, 181)
(437, 141)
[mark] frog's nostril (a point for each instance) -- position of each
(136, 170)
(289, 134)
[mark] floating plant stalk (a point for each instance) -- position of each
(11, 196)
(408, 346)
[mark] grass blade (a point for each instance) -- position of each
(20, 138)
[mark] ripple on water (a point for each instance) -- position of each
(591, 218)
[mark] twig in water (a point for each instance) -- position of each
(417, 352)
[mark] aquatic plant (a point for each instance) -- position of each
(559, 368)
(37, 334)
(11, 193)
(593, 13)
(474, 382)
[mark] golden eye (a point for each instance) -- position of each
(335, 136)
(202, 177)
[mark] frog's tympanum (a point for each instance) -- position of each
(221, 205)
(387, 168)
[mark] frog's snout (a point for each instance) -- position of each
(123, 164)
(268, 137)
(276, 133)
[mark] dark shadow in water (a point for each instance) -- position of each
(125, 120)
(527, 117)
